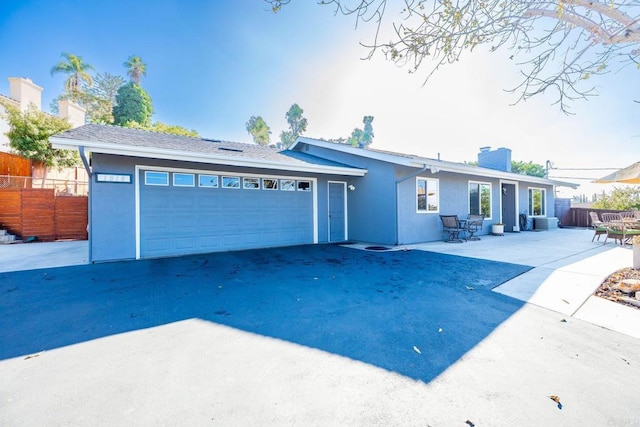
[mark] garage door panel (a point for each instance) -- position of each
(182, 220)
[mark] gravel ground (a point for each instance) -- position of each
(607, 288)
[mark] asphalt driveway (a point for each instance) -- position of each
(368, 306)
(312, 335)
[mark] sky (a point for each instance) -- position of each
(212, 64)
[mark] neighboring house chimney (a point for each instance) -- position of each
(25, 92)
(499, 159)
(72, 112)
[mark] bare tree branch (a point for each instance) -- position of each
(562, 43)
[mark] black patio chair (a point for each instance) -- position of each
(453, 227)
(474, 225)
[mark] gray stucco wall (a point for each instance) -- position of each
(417, 227)
(371, 206)
(112, 206)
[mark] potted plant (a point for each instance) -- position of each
(497, 229)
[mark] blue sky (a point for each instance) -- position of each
(213, 64)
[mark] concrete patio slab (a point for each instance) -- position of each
(568, 270)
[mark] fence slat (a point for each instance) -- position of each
(39, 212)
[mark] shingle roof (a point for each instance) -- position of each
(184, 144)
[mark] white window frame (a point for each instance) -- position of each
(231, 178)
(437, 184)
(287, 185)
(303, 189)
(193, 179)
(208, 176)
(165, 174)
(543, 200)
(480, 184)
(250, 179)
(275, 181)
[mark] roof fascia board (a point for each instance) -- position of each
(419, 162)
(343, 148)
(489, 173)
(147, 152)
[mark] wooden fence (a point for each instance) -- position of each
(11, 164)
(577, 217)
(38, 212)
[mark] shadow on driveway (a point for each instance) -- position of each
(372, 307)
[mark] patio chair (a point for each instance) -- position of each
(617, 229)
(627, 215)
(453, 227)
(599, 227)
(474, 224)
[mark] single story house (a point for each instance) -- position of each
(155, 194)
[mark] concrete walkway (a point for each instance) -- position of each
(31, 256)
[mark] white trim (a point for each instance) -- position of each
(346, 214)
(139, 168)
(163, 153)
(471, 181)
(233, 178)
(158, 185)
(173, 180)
(209, 175)
(544, 199)
(517, 199)
(426, 200)
(244, 180)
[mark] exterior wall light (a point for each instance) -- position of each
(351, 187)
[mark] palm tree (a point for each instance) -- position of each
(77, 70)
(135, 68)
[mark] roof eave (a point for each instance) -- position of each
(420, 162)
(165, 154)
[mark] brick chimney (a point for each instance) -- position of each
(499, 159)
(72, 112)
(25, 92)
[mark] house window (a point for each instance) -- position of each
(210, 181)
(287, 185)
(251, 183)
(156, 178)
(537, 202)
(184, 180)
(304, 185)
(230, 182)
(269, 184)
(427, 193)
(480, 199)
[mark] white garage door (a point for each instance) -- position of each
(190, 212)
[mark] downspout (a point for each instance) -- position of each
(398, 182)
(85, 162)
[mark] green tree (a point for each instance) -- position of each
(259, 130)
(620, 198)
(362, 138)
(528, 168)
(557, 44)
(29, 133)
(164, 128)
(78, 72)
(135, 68)
(297, 125)
(97, 100)
(133, 104)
